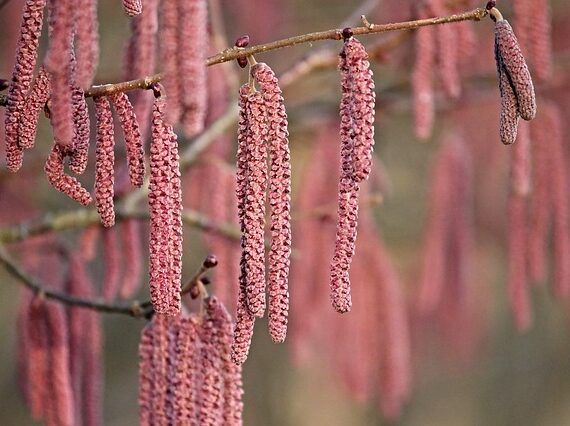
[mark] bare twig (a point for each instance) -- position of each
(233, 53)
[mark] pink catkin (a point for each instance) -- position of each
(86, 42)
(104, 162)
(81, 132)
(358, 100)
(210, 404)
(34, 103)
(560, 206)
(132, 250)
(244, 319)
(58, 62)
(521, 161)
(540, 43)
(169, 26)
(186, 368)
(36, 335)
(437, 225)
(146, 375)
(510, 57)
(133, 140)
(279, 201)
(523, 15)
(509, 116)
(26, 56)
(62, 182)
(192, 47)
(447, 55)
(517, 247)
(140, 58)
(160, 356)
(60, 396)
(165, 213)
(92, 385)
(254, 204)
(422, 84)
(112, 261)
(132, 7)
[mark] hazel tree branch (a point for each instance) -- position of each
(134, 309)
(233, 53)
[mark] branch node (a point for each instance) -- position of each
(366, 23)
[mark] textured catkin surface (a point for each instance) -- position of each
(515, 67)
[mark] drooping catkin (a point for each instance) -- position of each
(33, 105)
(279, 201)
(357, 138)
(139, 60)
(243, 331)
(81, 132)
(132, 7)
(168, 41)
(521, 161)
(357, 106)
(254, 203)
(192, 49)
(133, 140)
(60, 394)
(104, 162)
(165, 216)
(26, 56)
(422, 82)
(510, 58)
(86, 42)
(146, 375)
(540, 38)
(58, 62)
(62, 182)
(447, 54)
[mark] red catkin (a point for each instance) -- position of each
(58, 62)
(243, 331)
(210, 404)
(279, 201)
(168, 40)
(86, 42)
(160, 355)
(448, 56)
(146, 375)
(521, 161)
(540, 43)
(81, 132)
(509, 117)
(26, 56)
(357, 106)
(139, 60)
(560, 206)
(62, 182)
(511, 59)
(192, 48)
(254, 203)
(422, 82)
(165, 216)
(33, 105)
(104, 162)
(36, 335)
(133, 140)
(60, 395)
(132, 7)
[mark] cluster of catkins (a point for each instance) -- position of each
(441, 49)
(187, 376)
(262, 144)
(60, 350)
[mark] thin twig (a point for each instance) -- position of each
(233, 53)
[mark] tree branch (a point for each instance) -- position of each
(233, 53)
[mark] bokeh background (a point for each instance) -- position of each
(486, 373)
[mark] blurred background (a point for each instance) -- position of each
(474, 371)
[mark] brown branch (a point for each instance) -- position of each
(134, 309)
(82, 218)
(233, 53)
